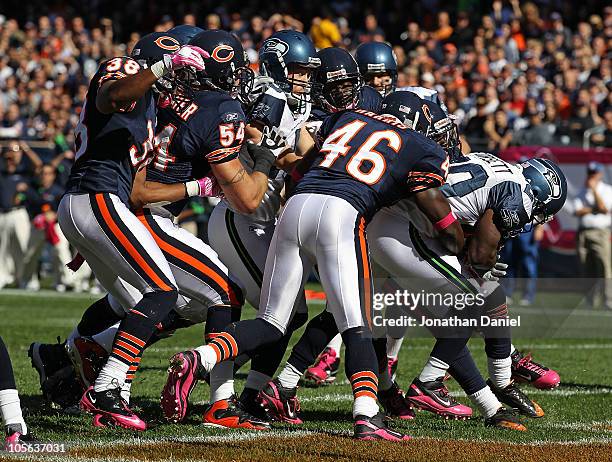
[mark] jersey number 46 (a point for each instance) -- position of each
(365, 164)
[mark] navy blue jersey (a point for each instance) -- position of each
(372, 161)
(111, 147)
(193, 133)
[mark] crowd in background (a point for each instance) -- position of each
(512, 73)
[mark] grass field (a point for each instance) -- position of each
(577, 425)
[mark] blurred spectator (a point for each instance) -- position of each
(324, 32)
(593, 206)
(498, 131)
(602, 134)
(15, 172)
(522, 254)
(43, 199)
(537, 132)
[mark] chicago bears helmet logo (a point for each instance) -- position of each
(274, 45)
(222, 53)
(167, 43)
(427, 112)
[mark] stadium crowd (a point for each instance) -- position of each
(521, 73)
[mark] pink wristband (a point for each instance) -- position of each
(446, 221)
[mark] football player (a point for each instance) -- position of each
(368, 161)
(287, 61)
(378, 66)
(114, 141)
(393, 249)
(193, 139)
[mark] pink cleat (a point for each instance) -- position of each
(110, 409)
(524, 369)
(280, 403)
(395, 404)
(434, 397)
(375, 428)
(19, 442)
(182, 379)
(324, 369)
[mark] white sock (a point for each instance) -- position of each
(433, 370)
(10, 408)
(256, 380)
(106, 338)
(208, 357)
(365, 405)
(385, 381)
(112, 375)
(500, 371)
(393, 347)
(486, 402)
(289, 376)
(336, 344)
(222, 381)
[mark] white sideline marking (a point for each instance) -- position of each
(343, 397)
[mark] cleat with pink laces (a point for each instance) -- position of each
(324, 369)
(183, 376)
(434, 397)
(375, 428)
(281, 404)
(395, 404)
(111, 410)
(524, 369)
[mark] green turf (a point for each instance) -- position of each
(577, 411)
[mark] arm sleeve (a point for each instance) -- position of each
(268, 110)
(226, 133)
(506, 201)
(431, 167)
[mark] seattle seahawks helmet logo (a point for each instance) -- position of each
(276, 46)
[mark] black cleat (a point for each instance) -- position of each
(512, 396)
(248, 403)
(505, 418)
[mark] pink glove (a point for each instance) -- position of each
(209, 187)
(187, 55)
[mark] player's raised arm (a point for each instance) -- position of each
(126, 81)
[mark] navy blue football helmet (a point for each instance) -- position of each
(284, 53)
(227, 67)
(150, 49)
(376, 59)
(425, 117)
(549, 188)
(185, 32)
(337, 81)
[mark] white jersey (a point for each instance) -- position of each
(481, 182)
(272, 109)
